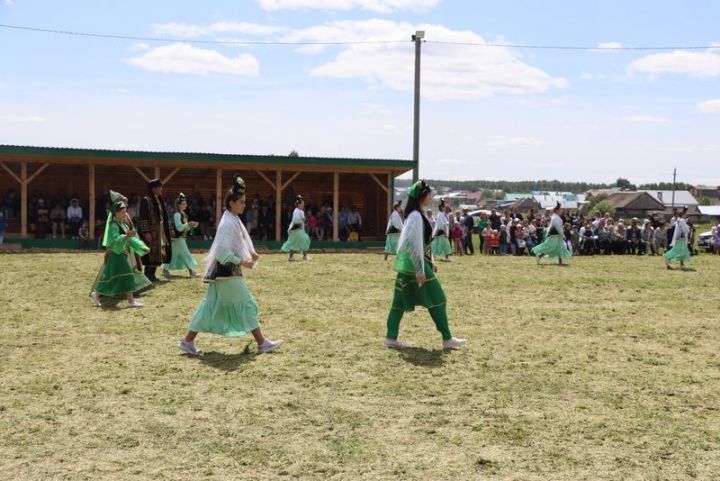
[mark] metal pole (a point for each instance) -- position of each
(417, 38)
(673, 191)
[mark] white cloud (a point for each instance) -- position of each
(139, 47)
(121, 90)
(8, 2)
(381, 6)
(645, 119)
(449, 161)
(689, 149)
(21, 118)
(192, 31)
(448, 71)
(608, 47)
(377, 109)
(709, 106)
(500, 141)
(186, 59)
(695, 64)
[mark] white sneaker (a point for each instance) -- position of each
(135, 304)
(188, 347)
(166, 273)
(307, 258)
(193, 274)
(454, 342)
(95, 298)
(394, 344)
(269, 345)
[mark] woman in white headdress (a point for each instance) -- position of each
(229, 308)
(392, 232)
(298, 240)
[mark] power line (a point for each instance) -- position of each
(358, 42)
(185, 40)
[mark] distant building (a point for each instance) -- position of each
(705, 191)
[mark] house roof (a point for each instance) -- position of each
(682, 197)
(713, 210)
(48, 153)
(634, 200)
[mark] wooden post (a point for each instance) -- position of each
(218, 197)
(336, 206)
(91, 201)
(278, 204)
(390, 194)
(23, 200)
(157, 172)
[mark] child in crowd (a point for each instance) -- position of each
(495, 243)
(487, 235)
(457, 237)
(84, 235)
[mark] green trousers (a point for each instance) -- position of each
(408, 294)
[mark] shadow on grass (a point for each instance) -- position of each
(419, 356)
(228, 362)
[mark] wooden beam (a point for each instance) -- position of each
(13, 174)
(265, 178)
(286, 184)
(218, 197)
(377, 181)
(37, 172)
(142, 174)
(23, 200)
(91, 206)
(170, 176)
(278, 204)
(336, 206)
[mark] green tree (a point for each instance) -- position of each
(625, 184)
(594, 201)
(705, 201)
(604, 207)
(293, 153)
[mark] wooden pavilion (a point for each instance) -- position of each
(367, 184)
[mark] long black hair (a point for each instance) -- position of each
(413, 203)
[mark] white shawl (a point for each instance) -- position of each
(556, 221)
(298, 218)
(231, 240)
(441, 224)
(395, 221)
(681, 230)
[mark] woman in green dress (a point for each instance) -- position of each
(679, 246)
(416, 284)
(181, 256)
(121, 274)
(228, 307)
(298, 240)
(553, 247)
(393, 229)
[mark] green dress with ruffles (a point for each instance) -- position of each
(119, 276)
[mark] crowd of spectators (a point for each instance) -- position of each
(511, 233)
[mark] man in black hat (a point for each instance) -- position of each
(155, 229)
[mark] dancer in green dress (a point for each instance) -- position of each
(441, 233)
(298, 240)
(392, 232)
(679, 246)
(229, 308)
(416, 284)
(122, 273)
(181, 256)
(553, 247)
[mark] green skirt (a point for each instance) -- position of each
(181, 256)
(679, 251)
(298, 241)
(441, 246)
(553, 247)
(119, 277)
(391, 243)
(408, 294)
(228, 309)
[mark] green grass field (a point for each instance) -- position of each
(605, 370)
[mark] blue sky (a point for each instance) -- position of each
(487, 112)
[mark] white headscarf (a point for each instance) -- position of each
(231, 237)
